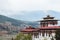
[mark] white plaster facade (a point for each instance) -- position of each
(45, 37)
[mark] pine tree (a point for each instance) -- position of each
(57, 36)
(21, 36)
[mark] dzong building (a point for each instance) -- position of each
(46, 31)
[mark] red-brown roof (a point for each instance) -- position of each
(30, 29)
(27, 30)
(50, 27)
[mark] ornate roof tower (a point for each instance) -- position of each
(48, 21)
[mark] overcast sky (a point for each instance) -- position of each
(29, 10)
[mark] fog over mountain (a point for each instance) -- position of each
(15, 24)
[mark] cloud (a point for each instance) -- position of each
(28, 9)
(30, 5)
(30, 15)
(35, 15)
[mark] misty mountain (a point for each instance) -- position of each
(13, 26)
(15, 22)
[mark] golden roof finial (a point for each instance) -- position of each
(48, 15)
